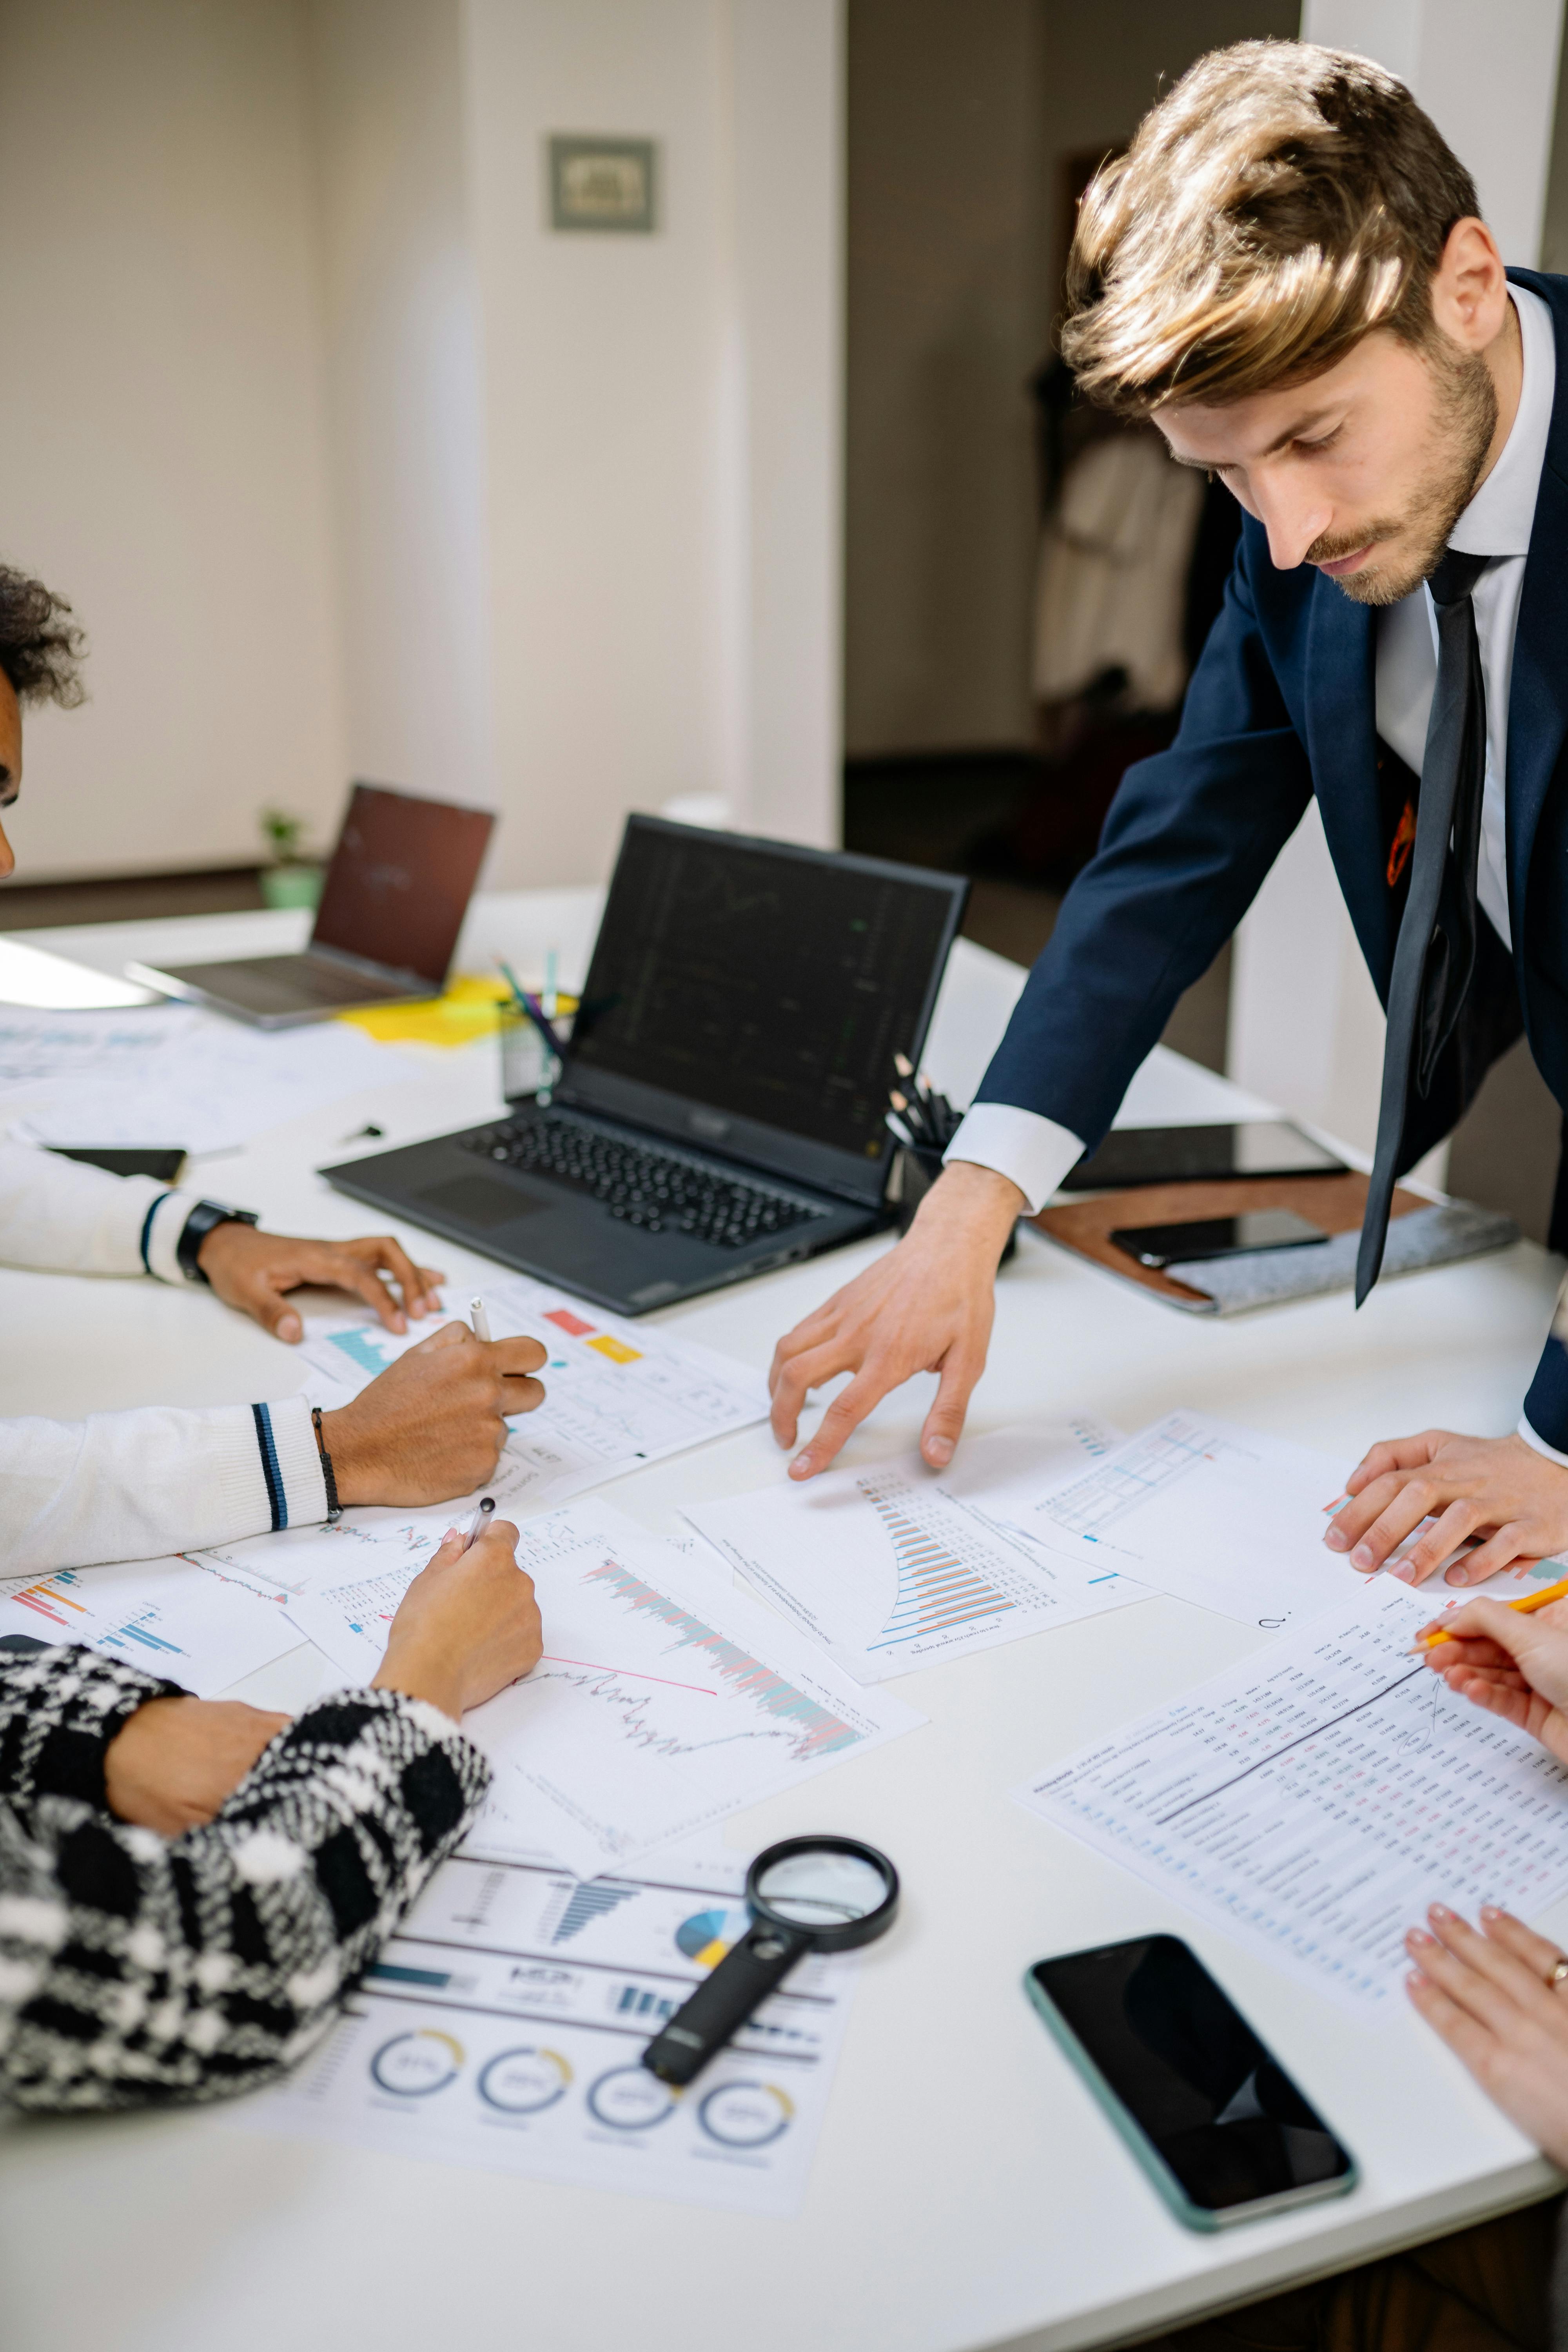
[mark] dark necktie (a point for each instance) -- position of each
(1435, 955)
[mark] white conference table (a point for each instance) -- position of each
(966, 2192)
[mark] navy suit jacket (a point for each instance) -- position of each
(1280, 707)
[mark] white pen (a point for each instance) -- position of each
(477, 1522)
(478, 1318)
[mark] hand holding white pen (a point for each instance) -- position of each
(478, 1520)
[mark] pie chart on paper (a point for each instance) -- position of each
(707, 1935)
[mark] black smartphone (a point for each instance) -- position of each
(124, 1160)
(1220, 2129)
(1194, 1155)
(1239, 1236)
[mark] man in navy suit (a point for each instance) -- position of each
(1286, 272)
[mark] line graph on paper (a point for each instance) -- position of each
(938, 1588)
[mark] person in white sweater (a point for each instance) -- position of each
(135, 1486)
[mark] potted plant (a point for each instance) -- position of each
(288, 878)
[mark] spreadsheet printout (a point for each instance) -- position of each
(503, 2027)
(1231, 1518)
(1312, 1800)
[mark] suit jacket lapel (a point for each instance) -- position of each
(1537, 689)
(1342, 745)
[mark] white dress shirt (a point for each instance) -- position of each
(133, 1486)
(1034, 1152)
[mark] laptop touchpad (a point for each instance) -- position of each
(485, 1201)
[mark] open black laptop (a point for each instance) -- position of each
(392, 906)
(721, 1107)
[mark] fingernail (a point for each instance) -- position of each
(1455, 1576)
(1490, 1911)
(1362, 1556)
(802, 1466)
(1404, 1572)
(1415, 1980)
(939, 1451)
(1438, 1911)
(288, 1326)
(1418, 1936)
(1336, 1539)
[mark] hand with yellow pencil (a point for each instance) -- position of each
(1511, 1658)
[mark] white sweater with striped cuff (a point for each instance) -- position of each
(133, 1485)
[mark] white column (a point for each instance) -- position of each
(1305, 1025)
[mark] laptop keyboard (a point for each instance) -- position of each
(650, 1189)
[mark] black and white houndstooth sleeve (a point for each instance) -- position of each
(136, 1968)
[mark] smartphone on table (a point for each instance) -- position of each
(1210, 1237)
(1216, 2122)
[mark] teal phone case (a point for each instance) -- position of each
(1148, 2156)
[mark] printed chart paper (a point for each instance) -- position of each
(616, 1394)
(1229, 1517)
(175, 1074)
(175, 1617)
(895, 1568)
(662, 1702)
(1314, 1800)
(504, 2026)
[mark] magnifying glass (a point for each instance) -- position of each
(805, 1895)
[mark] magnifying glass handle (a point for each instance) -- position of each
(718, 2009)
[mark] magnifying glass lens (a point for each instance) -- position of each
(805, 1894)
(822, 1889)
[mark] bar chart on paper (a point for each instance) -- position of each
(201, 1630)
(894, 1568)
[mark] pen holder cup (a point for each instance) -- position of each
(910, 1179)
(525, 1067)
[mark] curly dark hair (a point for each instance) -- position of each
(40, 644)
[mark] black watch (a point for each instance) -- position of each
(198, 1226)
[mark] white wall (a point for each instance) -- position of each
(401, 331)
(354, 467)
(162, 452)
(660, 421)
(1490, 81)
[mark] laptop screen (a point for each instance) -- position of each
(400, 880)
(773, 984)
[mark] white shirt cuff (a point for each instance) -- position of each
(1530, 1437)
(1032, 1152)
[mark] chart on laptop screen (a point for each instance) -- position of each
(773, 988)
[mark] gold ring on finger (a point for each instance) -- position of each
(1556, 1974)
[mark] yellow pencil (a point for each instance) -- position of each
(1524, 1604)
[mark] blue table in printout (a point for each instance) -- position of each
(964, 2192)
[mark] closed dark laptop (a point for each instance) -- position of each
(391, 906)
(721, 1107)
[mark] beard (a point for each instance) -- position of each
(1464, 421)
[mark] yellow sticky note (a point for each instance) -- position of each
(616, 1349)
(467, 1011)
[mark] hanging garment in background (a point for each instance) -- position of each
(1114, 557)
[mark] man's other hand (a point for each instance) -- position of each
(177, 1759)
(433, 1424)
(253, 1270)
(927, 1307)
(1498, 1489)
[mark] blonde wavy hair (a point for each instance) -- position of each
(1276, 206)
